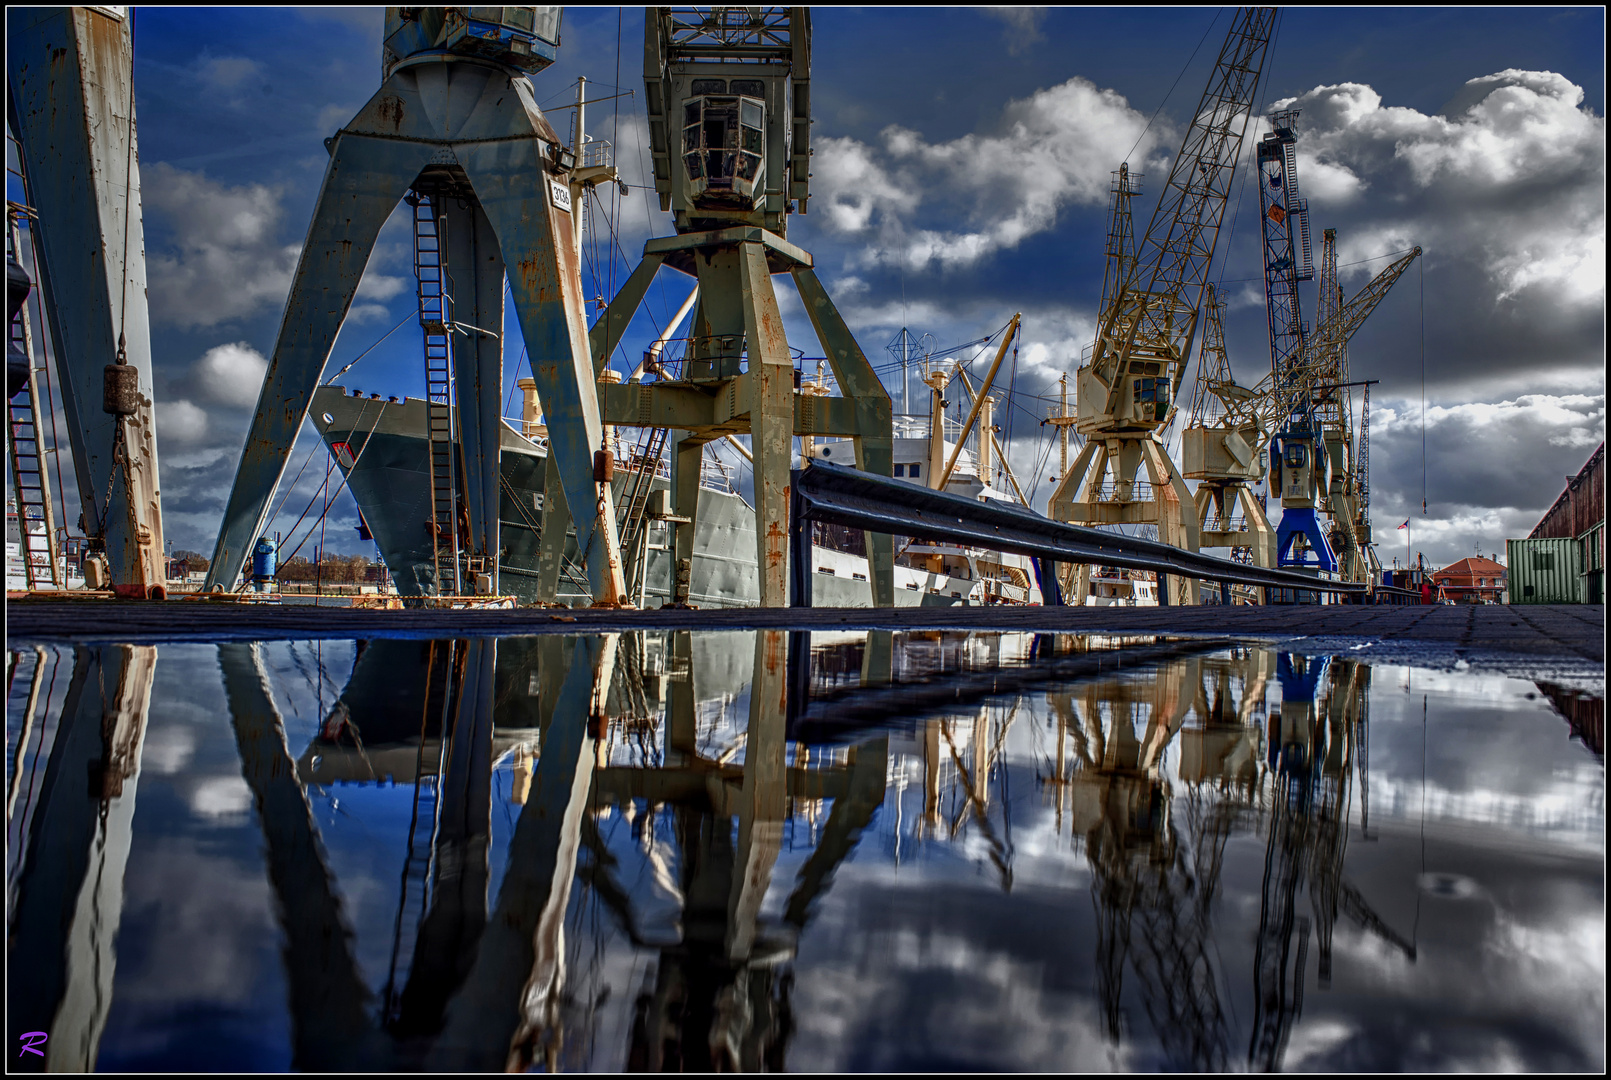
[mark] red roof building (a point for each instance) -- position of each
(1471, 581)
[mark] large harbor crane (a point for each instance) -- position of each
(1231, 426)
(729, 109)
(1126, 393)
(1312, 458)
(454, 125)
(1222, 447)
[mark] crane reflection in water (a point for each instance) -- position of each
(681, 808)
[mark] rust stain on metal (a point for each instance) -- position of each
(528, 271)
(774, 544)
(390, 110)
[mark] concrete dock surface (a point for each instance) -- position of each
(1564, 632)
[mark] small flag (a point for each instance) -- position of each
(1406, 524)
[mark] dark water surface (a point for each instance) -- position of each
(764, 851)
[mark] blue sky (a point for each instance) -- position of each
(962, 161)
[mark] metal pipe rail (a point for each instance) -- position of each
(840, 495)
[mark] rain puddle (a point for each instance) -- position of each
(777, 851)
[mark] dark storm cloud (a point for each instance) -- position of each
(1510, 455)
(1504, 190)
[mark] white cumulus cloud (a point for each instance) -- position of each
(180, 421)
(231, 374)
(1509, 177)
(226, 259)
(1055, 148)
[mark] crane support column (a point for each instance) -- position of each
(71, 105)
(476, 265)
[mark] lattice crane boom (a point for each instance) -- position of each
(1148, 331)
(1322, 360)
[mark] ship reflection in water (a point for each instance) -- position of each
(765, 851)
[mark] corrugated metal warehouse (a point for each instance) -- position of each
(1577, 516)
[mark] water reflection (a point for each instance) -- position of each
(765, 851)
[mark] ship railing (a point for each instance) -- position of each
(671, 361)
(911, 425)
(596, 153)
(714, 474)
(1140, 491)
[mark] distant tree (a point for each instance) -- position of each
(297, 568)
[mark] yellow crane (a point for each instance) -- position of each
(1125, 394)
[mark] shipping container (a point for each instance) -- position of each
(1591, 546)
(1545, 571)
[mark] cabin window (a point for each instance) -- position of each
(749, 87)
(900, 470)
(690, 140)
(710, 86)
(720, 139)
(916, 472)
(750, 117)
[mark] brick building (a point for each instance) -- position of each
(1474, 580)
(1579, 514)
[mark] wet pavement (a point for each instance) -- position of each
(845, 850)
(1428, 635)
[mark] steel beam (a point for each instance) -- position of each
(687, 460)
(873, 432)
(606, 333)
(70, 104)
(858, 499)
(771, 372)
(475, 264)
(551, 533)
(366, 178)
(521, 201)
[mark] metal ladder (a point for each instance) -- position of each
(436, 320)
(414, 897)
(30, 481)
(1300, 207)
(632, 512)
